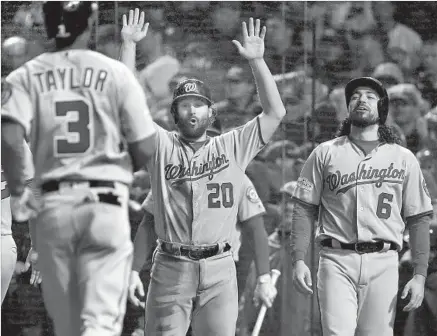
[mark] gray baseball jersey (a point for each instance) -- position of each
(197, 192)
(363, 197)
(249, 206)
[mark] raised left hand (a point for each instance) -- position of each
(265, 292)
(253, 41)
(134, 29)
(416, 288)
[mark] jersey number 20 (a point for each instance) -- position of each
(224, 191)
(78, 119)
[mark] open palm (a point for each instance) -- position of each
(134, 29)
(253, 40)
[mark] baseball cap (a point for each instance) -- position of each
(388, 70)
(192, 87)
(239, 73)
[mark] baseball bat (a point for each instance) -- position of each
(262, 312)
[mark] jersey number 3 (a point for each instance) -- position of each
(383, 209)
(224, 191)
(78, 119)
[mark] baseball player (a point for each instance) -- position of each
(196, 181)
(8, 246)
(88, 123)
(362, 187)
(250, 211)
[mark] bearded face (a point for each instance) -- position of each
(363, 107)
(194, 116)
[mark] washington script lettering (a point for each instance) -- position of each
(196, 171)
(365, 176)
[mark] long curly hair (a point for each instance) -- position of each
(385, 133)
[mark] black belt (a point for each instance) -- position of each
(193, 252)
(103, 197)
(51, 186)
(361, 247)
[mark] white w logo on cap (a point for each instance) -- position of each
(190, 87)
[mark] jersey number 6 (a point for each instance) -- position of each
(77, 138)
(383, 209)
(227, 195)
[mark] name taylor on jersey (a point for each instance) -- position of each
(69, 79)
(366, 175)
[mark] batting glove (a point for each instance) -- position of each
(265, 291)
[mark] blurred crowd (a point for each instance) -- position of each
(312, 48)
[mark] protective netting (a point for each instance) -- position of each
(312, 48)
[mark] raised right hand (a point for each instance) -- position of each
(136, 286)
(302, 277)
(134, 29)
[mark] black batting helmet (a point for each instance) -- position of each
(66, 20)
(375, 85)
(190, 87)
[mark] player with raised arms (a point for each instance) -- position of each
(196, 182)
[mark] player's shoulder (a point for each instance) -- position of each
(249, 192)
(17, 75)
(169, 137)
(99, 58)
(41, 62)
(337, 141)
(399, 150)
(247, 182)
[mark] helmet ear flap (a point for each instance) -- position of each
(383, 109)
